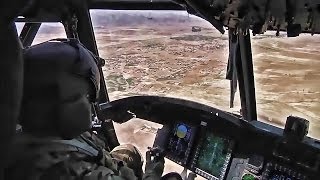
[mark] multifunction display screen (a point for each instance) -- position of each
(214, 156)
(180, 143)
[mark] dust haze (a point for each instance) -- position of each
(157, 53)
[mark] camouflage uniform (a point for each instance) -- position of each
(44, 158)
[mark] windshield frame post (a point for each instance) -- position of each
(246, 77)
(28, 33)
(87, 38)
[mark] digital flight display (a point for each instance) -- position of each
(180, 143)
(214, 156)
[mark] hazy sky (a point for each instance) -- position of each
(163, 14)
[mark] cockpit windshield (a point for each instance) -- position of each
(172, 53)
(287, 79)
(166, 53)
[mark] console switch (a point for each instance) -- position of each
(255, 163)
(237, 168)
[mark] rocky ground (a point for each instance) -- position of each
(173, 61)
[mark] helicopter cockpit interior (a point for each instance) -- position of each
(210, 142)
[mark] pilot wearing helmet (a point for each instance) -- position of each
(61, 81)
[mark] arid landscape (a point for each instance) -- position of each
(157, 53)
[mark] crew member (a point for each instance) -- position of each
(61, 81)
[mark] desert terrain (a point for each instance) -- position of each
(156, 53)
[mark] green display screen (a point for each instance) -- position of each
(213, 155)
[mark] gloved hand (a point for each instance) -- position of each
(127, 173)
(154, 166)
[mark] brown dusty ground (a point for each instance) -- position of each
(288, 79)
(173, 61)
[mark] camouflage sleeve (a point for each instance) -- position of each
(108, 167)
(105, 169)
(104, 173)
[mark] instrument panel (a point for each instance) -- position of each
(213, 155)
(202, 151)
(220, 145)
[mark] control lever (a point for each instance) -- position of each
(192, 176)
(154, 163)
(185, 176)
(156, 153)
(184, 173)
